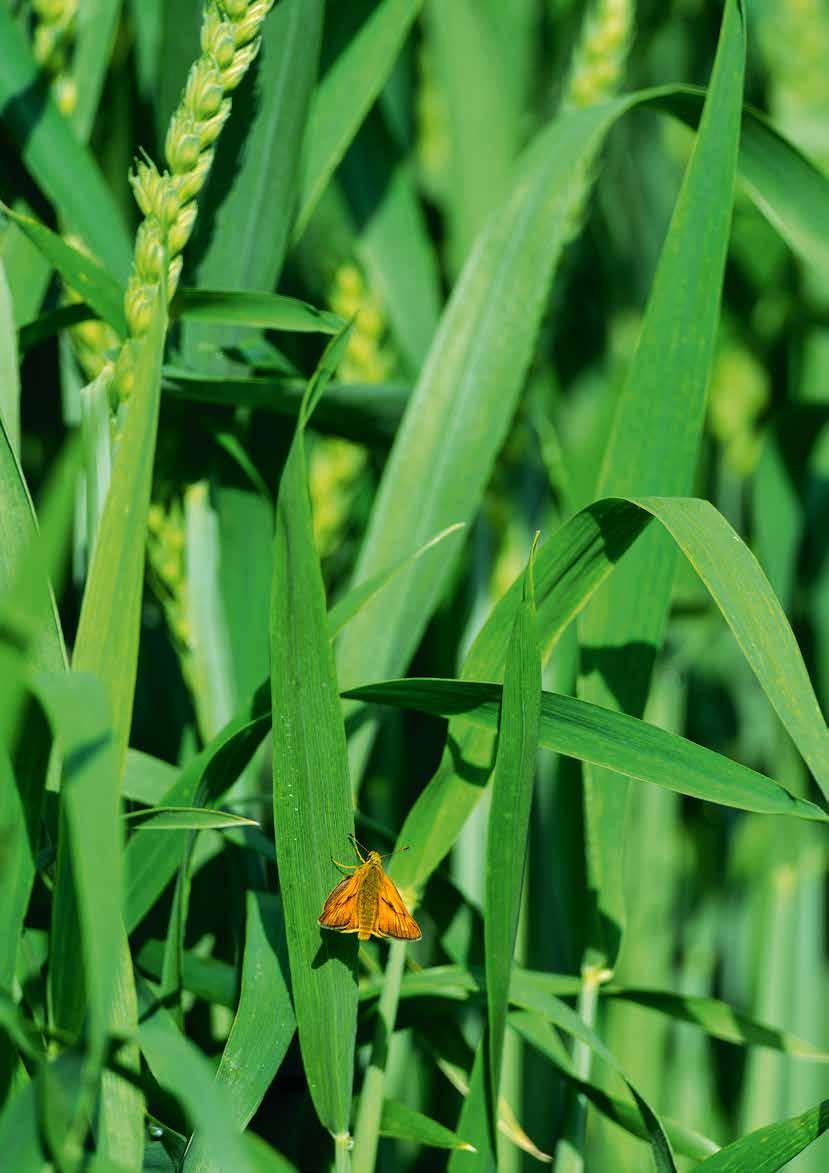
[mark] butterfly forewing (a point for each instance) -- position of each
(393, 917)
(340, 911)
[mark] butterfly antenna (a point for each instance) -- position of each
(397, 851)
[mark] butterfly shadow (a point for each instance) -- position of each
(337, 948)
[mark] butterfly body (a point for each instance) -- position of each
(368, 897)
(367, 903)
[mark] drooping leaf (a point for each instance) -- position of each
(569, 566)
(719, 1020)
(562, 1016)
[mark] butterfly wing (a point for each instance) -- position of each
(340, 911)
(393, 917)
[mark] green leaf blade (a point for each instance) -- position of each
(405, 1123)
(179, 1067)
(262, 1029)
(348, 89)
(80, 272)
(509, 818)
(312, 804)
(185, 818)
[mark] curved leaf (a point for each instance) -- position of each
(605, 738)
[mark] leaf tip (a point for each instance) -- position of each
(529, 576)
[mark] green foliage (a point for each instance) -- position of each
(662, 397)
(406, 284)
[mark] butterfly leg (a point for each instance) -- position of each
(344, 867)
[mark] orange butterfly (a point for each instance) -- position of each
(367, 902)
